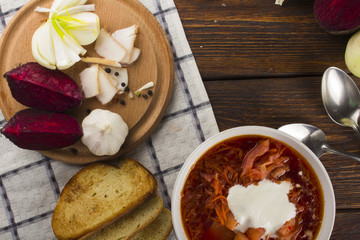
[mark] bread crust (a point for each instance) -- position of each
(159, 229)
(98, 195)
(133, 222)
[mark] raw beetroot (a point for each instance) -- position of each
(338, 16)
(38, 87)
(41, 130)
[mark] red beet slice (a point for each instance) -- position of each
(338, 16)
(38, 87)
(40, 130)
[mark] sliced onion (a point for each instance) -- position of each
(35, 51)
(84, 33)
(45, 44)
(76, 9)
(59, 5)
(65, 56)
(68, 39)
(58, 42)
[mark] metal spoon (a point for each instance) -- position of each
(341, 98)
(313, 138)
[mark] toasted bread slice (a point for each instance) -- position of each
(98, 195)
(159, 229)
(131, 223)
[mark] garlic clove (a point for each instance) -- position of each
(279, 2)
(146, 86)
(104, 132)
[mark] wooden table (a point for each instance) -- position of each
(262, 65)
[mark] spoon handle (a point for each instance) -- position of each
(355, 126)
(328, 149)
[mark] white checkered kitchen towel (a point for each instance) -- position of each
(30, 183)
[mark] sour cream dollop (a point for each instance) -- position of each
(264, 205)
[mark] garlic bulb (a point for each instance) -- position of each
(104, 132)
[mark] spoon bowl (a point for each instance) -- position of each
(314, 138)
(310, 135)
(341, 98)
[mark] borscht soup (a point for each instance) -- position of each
(251, 187)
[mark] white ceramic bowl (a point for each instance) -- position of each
(329, 197)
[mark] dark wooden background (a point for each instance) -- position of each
(262, 65)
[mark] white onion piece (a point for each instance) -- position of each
(35, 51)
(65, 56)
(76, 9)
(45, 44)
(59, 5)
(89, 35)
(59, 41)
(70, 41)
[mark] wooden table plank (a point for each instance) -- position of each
(256, 38)
(347, 225)
(275, 102)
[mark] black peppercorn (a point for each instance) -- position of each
(74, 151)
(122, 102)
(116, 73)
(108, 70)
(127, 89)
(123, 84)
(150, 92)
(145, 96)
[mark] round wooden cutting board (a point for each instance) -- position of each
(155, 64)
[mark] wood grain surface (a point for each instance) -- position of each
(154, 64)
(255, 38)
(262, 65)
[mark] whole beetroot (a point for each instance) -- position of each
(41, 130)
(38, 87)
(338, 16)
